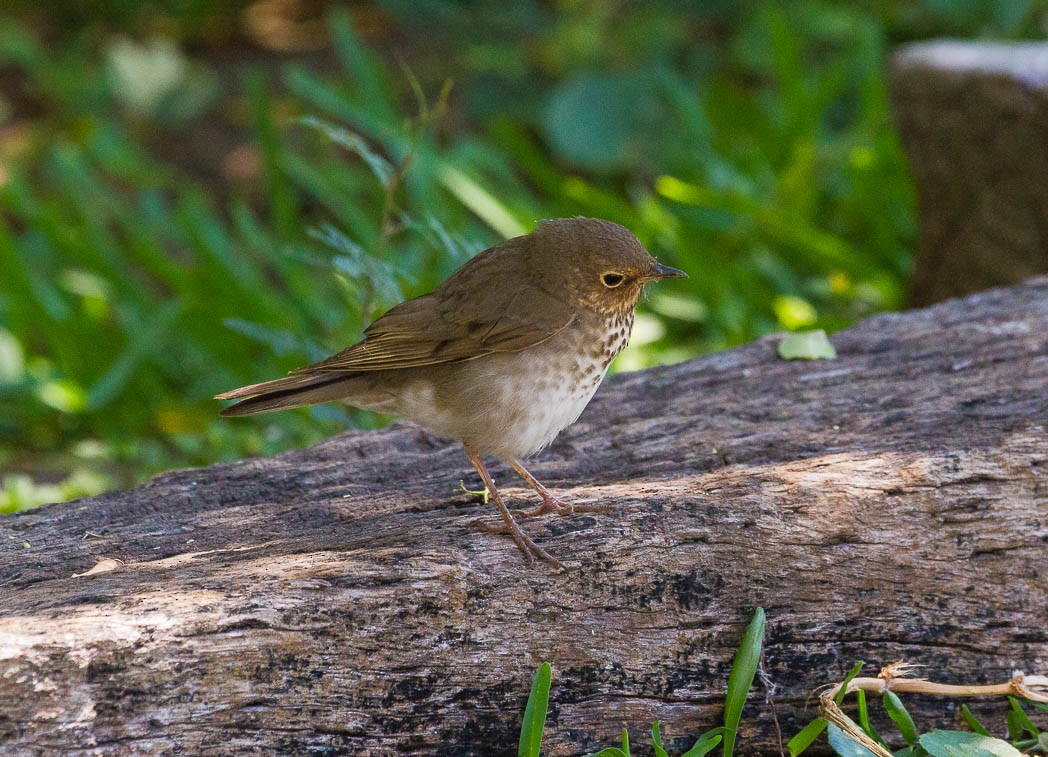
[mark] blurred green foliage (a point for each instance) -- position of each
(748, 143)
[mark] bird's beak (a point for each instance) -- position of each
(665, 272)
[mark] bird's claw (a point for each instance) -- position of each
(554, 505)
(527, 546)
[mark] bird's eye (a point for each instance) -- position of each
(611, 279)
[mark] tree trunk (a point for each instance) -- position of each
(891, 503)
(972, 116)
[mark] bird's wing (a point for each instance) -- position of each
(487, 306)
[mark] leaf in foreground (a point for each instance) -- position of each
(964, 744)
(805, 737)
(706, 743)
(843, 745)
(535, 713)
(656, 740)
(899, 715)
(743, 669)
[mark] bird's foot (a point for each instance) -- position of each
(488, 528)
(525, 543)
(551, 504)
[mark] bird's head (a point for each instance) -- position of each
(598, 264)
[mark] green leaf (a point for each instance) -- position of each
(363, 68)
(626, 742)
(806, 737)
(535, 713)
(897, 712)
(589, 120)
(843, 745)
(379, 166)
(972, 721)
(807, 345)
(12, 358)
(144, 75)
(855, 670)
(656, 740)
(1015, 726)
(280, 341)
(964, 744)
(743, 669)
(794, 312)
(864, 718)
(320, 94)
(707, 743)
(279, 192)
(1022, 719)
(145, 338)
(64, 395)
(479, 200)
(611, 751)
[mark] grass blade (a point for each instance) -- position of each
(805, 737)
(362, 67)
(656, 740)
(479, 200)
(148, 336)
(1015, 727)
(707, 743)
(535, 713)
(283, 206)
(864, 719)
(973, 722)
(855, 670)
(897, 712)
(743, 669)
(1022, 719)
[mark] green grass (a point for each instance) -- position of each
(740, 679)
(1023, 733)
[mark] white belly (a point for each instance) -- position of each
(510, 405)
(530, 396)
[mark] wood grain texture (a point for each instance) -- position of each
(890, 504)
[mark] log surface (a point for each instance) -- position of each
(889, 504)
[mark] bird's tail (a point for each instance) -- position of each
(284, 393)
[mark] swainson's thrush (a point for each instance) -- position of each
(501, 356)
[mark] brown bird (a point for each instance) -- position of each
(501, 356)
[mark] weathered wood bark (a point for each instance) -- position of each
(890, 504)
(972, 117)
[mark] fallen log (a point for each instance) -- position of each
(889, 504)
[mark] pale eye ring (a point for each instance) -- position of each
(610, 279)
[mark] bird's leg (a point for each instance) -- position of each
(549, 502)
(528, 548)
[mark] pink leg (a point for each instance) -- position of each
(528, 548)
(549, 502)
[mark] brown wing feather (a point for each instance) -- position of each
(486, 307)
